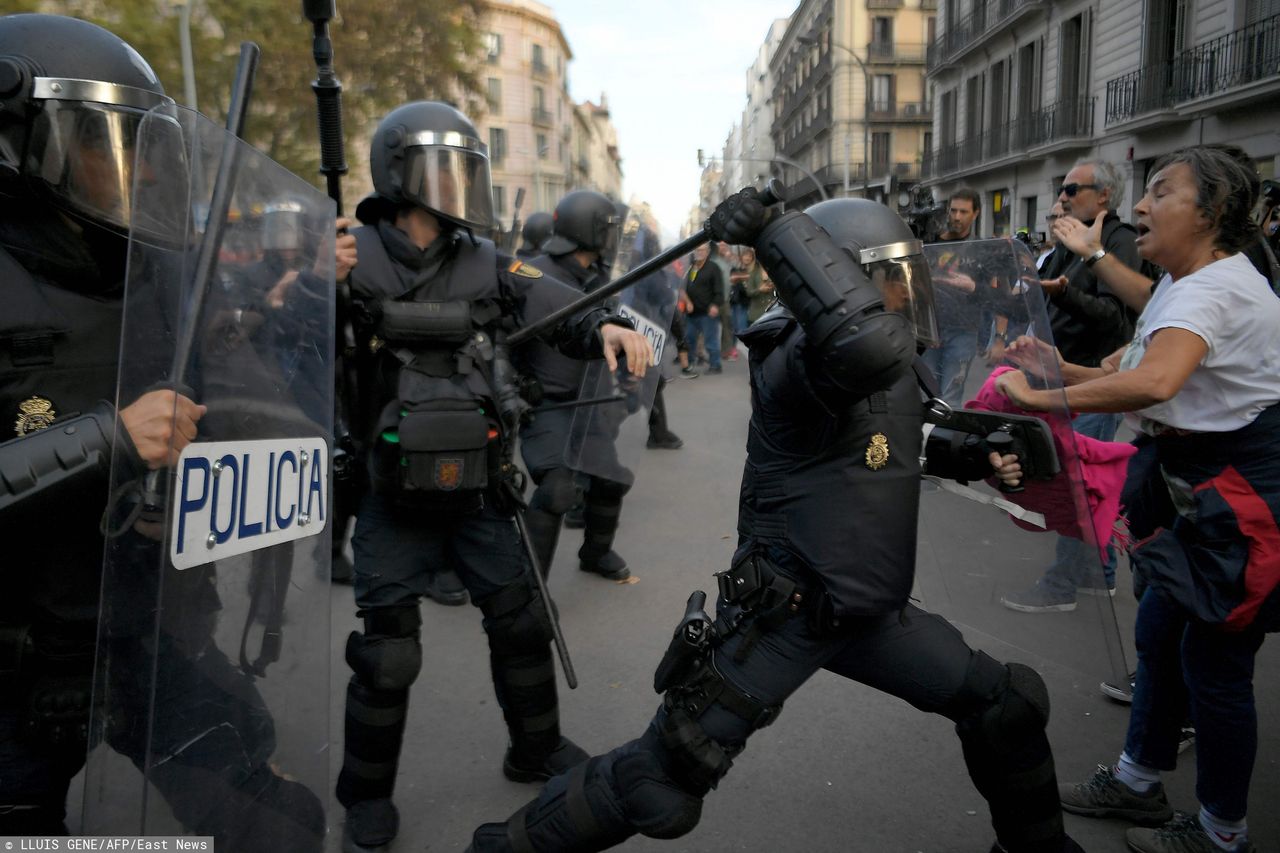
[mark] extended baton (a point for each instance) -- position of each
(772, 194)
(333, 162)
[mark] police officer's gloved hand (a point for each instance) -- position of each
(739, 218)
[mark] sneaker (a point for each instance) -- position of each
(689, 373)
(732, 355)
(1039, 600)
(1122, 693)
(1104, 796)
(565, 756)
(1186, 738)
(1184, 834)
(670, 441)
(445, 588)
(716, 369)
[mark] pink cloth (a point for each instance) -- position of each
(1101, 464)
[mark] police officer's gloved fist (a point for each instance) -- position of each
(739, 218)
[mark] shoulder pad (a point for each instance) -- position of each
(522, 269)
(772, 325)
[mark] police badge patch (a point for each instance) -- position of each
(448, 474)
(521, 268)
(878, 452)
(35, 413)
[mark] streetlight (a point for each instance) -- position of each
(866, 112)
(784, 160)
(184, 41)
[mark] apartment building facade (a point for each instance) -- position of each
(851, 109)
(1023, 89)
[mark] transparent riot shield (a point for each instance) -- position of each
(1024, 574)
(607, 400)
(211, 683)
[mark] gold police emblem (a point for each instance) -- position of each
(878, 452)
(523, 269)
(34, 414)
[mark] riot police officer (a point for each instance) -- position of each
(432, 304)
(825, 563)
(537, 228)
(578, 253)
(72, 97)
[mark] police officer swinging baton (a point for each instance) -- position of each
(773, 193)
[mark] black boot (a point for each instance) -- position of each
(372, 752)
(444, 587)
(371, 826)
(526, 689)
(603, 507)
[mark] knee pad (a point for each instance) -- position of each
(606, 491)
(556, 493)
(515, 620)
(1006, 703)
(388, 655)
(656, 806)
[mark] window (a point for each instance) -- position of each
(1073, 51)
(1000, 213)
(1166, 30)
(539, 98)
(495, 94)
(973, 106)
(539, 62)
(497, 145)
(880, 143)
(947, 124)
(882, 94)
(882, 33)
(1029, 210)
(541, 143)
(499, 200)
(492, 46)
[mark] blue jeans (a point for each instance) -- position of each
(950, 361)
(739, 319)
(1074, 559)
(709, 328)
(1181, 658)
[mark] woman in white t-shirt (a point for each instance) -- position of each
(1200, 383)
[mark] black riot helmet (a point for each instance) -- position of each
(428, 154)
(877, 239)
(537, 228)
(72, 96)
(585, 220)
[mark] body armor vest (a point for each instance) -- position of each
(59, 355)
(427, 352)
(840, 489)
(559, 375)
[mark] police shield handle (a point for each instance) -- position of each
(160, 424)
(633, 346)
(773, 193)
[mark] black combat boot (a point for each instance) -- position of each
(526, 689)
(596, 554)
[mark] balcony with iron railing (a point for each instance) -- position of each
(899, 111)
(540, 68)
(988, 19)
(1229, 62)
(541, 117)
(896, 52)
(1057, 123)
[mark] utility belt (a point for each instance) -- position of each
(757, 587)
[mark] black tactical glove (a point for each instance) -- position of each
(738, 219)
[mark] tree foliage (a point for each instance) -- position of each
(386, 52)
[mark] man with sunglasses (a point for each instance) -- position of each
(1089, 322)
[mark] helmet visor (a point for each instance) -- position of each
(905, 285)
(84, 153)
(284, 227)
(453, 182)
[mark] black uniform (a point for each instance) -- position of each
(543, 444)
(437, 457)
(63, 284)
(820, 580)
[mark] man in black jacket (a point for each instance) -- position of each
(704, 283)
(1089, 322)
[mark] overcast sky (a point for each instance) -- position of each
(675, 75)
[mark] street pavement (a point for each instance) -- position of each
(844, 768)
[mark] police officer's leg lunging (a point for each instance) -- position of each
(557, 491)
(602, 509)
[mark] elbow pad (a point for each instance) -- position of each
(41, 465)
(863, 348)
(952, 454)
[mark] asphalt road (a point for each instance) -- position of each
(845, 768)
